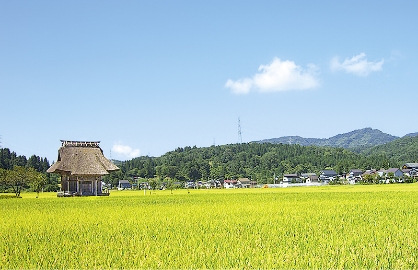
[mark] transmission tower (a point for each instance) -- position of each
(239, 131)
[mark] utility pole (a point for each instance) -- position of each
(239, 131)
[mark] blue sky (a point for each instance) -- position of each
(146, 77)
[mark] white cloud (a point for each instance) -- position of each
(242, 86)
(125, 151)
(357, 65)
(277, 76)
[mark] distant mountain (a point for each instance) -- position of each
(357, 139)
(411, 134)
(365, 137)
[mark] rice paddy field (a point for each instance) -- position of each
(305, 227)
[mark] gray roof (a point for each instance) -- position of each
(411, 165)
(82, 158)
(328, 172)
(124, 182)
(244, 180)
(291, 175)
(308, 174)
(393, 170)
(356, 172)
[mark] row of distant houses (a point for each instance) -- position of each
(354, 175)
(239, 183)
(325, 176)
(235, 183)
(228, 183)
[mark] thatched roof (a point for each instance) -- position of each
(82, 158)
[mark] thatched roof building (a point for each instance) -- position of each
(81, 166)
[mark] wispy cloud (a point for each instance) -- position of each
(277, 76)
(125, 151)
(357, 65)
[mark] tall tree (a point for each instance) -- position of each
(17, 179)
(3, 178)
(37, 181)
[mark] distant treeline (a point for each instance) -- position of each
(9, 160)
(257, 161)
(260, 162)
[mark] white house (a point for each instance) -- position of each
(328, 175)
(244, 182)
(310, 177)
(291, 178)
(230, 183)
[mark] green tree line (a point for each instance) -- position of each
(257, 161)
(18, 173)
(402, 150)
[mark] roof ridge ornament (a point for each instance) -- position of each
(66, 143)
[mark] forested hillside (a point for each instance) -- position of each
(258, 161)
(400, 151)
(360, 138)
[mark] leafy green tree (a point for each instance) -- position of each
(52, 181)
(153, 183)
(368, 179)
(37, 181)
(35, 162)
(171, 185)
(391, 177)
(132, 173)
(6, 159)
(3, 179)
(17, 179)
(409, 179)
(377, 178)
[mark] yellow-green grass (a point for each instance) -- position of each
(313, 227)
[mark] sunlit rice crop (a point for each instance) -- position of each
(315, 227)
